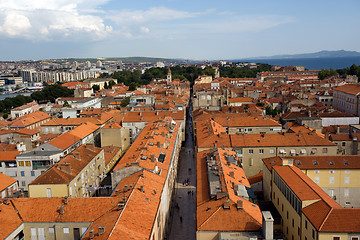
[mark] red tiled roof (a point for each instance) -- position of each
(6, 181)
(64, 141)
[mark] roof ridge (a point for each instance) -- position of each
(207, 219)
(122, 211)
(327, 216)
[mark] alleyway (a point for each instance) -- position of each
(183, 222)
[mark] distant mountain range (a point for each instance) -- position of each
(321, 54)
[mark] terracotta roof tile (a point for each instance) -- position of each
(6, 181)
(64, 141)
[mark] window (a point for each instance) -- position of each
(287, 214)
(251, 151)
(32, 173)
(251, 162)
(324, 150)
(23, 183)
(66, 230)
(261, 151)
(346, 192)
(306, 224)
(313, 234)
(313, 150)
(293, 223)
(271, 151)
(317, 180)
(28, 163)
(331, 180)
(33, 233)
(343, 144)
(336, 238)
(347, 180)
(21, 163)
(41, 233)
(22, 173)
(51, 230)
(347, 171)
(332, 171)
(48, 192)
(317, 171)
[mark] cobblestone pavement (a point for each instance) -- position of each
(183, 213)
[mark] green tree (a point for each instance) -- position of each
(96, 87)
(5, 115)
(324, 73)
(106, 85)
(125, 102)
(51, 92)
(132, 86)
(66, 104)
(111, 83)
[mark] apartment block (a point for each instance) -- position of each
(307, 212)
(78, 175)
(338, 176)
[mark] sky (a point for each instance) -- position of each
(196, 29)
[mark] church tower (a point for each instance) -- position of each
(168, 78)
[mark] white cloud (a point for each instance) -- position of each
(15, 23)
(52, 19)
(155, 14)
(144, 29)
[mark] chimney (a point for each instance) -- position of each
(152, 157)
(141, 188)
(226, 204)
(158, 144)
(337, 129)
(101, 230)
(124, 199)
(6, 201)
(268, 225)
(327, 135)
(66, 200)
(125, 188)
(300, 134)
(231, 174)
(91, 234)
(61, 210)
(239, 204)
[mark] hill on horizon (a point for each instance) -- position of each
(321, 54)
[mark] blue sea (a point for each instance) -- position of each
(311, 63)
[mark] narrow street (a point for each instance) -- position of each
(183, 222)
